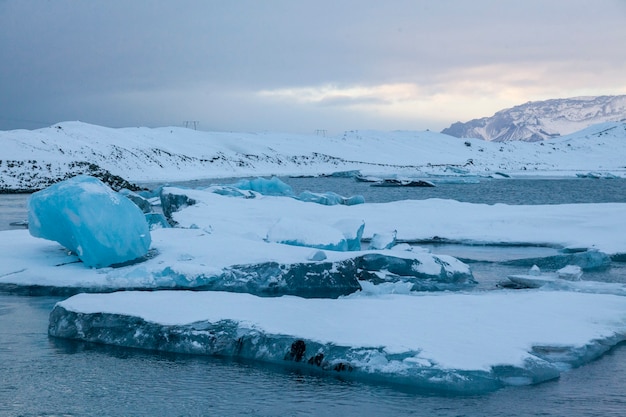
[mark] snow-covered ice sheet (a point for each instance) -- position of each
(194, 258)
(461, 342)
(596, 226)
(219, 232)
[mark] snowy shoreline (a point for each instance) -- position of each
(32, 159)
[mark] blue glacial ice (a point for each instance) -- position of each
(272, 187)
(85, 216)
(275, 187)
(156, 220)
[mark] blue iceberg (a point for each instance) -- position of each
(273, 186)
(84, 215)
(277, 188)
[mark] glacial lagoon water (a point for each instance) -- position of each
(50, 377)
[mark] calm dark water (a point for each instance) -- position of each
(486, 191)
(50, 377)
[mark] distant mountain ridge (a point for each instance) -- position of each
(541, 120)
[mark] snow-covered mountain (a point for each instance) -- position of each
(541, 120)
(35, 159)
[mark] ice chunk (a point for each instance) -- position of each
(273, 186)
(87, 217)
(420, 271)
(587, 260)
(355, 199)
(300, 232)
(141, 202)
(318, 255)
(329, 198)
(156, 220)
(352, 230)
(231, 191)
(173, 200)
(344, 174)
(570, 272)
(403, 182)
(276, 187)
(514, 337)
(405, 247)
(383, 240)
(320, 279)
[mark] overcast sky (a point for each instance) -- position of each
(299, 66)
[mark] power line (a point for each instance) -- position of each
(191, 123)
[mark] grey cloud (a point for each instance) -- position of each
(68, 59)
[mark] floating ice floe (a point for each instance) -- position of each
(330, 198)
(275, 187)
(402, 182)
(456, 342)
(593, 226)
(200, 256)
(587, 260)
(272, 187)
(194, 258)
(85, 216)
(535, 278)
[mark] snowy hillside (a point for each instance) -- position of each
(33, 159)
(541, 120)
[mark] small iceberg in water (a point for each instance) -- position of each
(535, 278)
